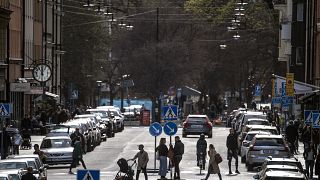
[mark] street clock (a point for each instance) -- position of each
(42, 72)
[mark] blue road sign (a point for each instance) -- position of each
(315, 120)
(308, 119)
(257, 90)
(287, 100)
(5, 110)
(170, 128)
(170, 113)
(85, 174)
(283, 88)
(155, 129)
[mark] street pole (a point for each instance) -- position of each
(155, 153)
(2, 134)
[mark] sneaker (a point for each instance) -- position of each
(70, 172)
(230, 172)
(237, 172)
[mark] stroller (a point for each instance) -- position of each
(126, 172)
(26, 140)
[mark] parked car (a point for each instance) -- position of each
(196, 125)
(115, 113)
(292, 161)
(42, 168)
(254, 121)
(244, 145)
(95, 119)
(263, 146)
(110, 123)
(14, 174)
(249, 115)
(58, 149)
(20, 164)
(283, 175)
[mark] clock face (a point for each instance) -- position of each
(42, 73)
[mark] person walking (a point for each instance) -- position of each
(16, 142)
(291, 136)
(178, 152)
(29, 175)
(76, 134)
(232, 145)
(309, 155)
(143, 159)
(213, 166)
(76, 155)
(162, 150)
(201, 151)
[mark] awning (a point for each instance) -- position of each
(309, 96)
(299, 87)
(52, 95)
(188, 91)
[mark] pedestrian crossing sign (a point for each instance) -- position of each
(85, 174)
(5, 110)
(308, 116)
(315, 118)
(170, 113)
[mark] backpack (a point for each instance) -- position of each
(218, 158)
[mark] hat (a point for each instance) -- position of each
(141, 145)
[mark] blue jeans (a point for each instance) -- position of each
(163, 165)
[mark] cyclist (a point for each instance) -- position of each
(201, 151)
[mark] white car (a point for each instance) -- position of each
(115, 113)
(57, 149)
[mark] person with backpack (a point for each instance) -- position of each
(201, 151)
(143, 159)
(178, 152)
(213, 164)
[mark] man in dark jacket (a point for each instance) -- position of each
(178, 152)
(201, 151)
(291, 135)
(74, 136)
(28, 175)
(232, 145)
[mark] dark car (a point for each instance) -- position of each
(196, 125)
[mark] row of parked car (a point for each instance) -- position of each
(96, 126)
(263, 148)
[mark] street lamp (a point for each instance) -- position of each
(98, 89)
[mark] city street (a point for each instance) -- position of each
(124, 145)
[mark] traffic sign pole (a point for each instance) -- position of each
(2, 134)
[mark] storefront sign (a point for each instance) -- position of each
(20, 87)
(290, 84)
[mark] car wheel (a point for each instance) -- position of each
(243, 159)
(122, 128)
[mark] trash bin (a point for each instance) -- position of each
(145, 118)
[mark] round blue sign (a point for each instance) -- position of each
(155, 129)
(170, 128)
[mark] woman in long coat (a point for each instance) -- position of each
(213, 166)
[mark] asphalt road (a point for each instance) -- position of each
(124, 145)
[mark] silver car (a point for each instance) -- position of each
(246, 142)
(58, 149)
(283, 175)
(263, 146)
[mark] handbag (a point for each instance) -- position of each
(218, 158)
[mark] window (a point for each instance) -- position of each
(300, 12)
(291, 62)
(299, 55)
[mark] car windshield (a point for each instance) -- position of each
(32, 164)
(13, 165)
(269, 142)
(14, 177)
(271, 131)
(254, 116)
(56, 143)
(257, 122)
(196, 119)
(249, 137)
(3, 178)
(283, 169)
(283, 163)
